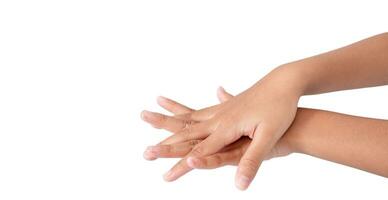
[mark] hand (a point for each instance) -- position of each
(179, 123)
(180, 149)
(184, 117)
(263, 113)
(229, 155)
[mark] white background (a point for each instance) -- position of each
(75, 75)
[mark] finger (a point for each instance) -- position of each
(169, 151)
(168, 123)
(223, 95)
(186, 135)
(182, 166)
(203, 114)
(179, 169)
(214, 161)
(213, 143)
(199, 115)
(241, 144)
(173, 106)
(253, 157)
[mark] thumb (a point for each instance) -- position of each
(253, 157)
(223, 95)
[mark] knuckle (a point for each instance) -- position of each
(162, 118)
(203, 163)
(194, 142)
(167, 149)
(185, 136)
(188, 126)
(215, 126)
(231, 137)
(188, 116)
(182, 134)
(197, 151)
(218, 161)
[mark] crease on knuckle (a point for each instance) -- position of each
(188, 116)
(168, 149)
(202, 163)
(188, 126)
(161, 119)
(215, 126)
(193, 142)
(218, 161)
(185, 136)
(197, 151)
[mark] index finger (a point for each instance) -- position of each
(173, 106)
(210, 145)
(179, 169)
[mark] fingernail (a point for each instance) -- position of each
(161, 99)
(148, 116)
(148, 156)
(221, 89)
(192, 162)
(242, 182)
(151, 153)
(154, 150)
(168, 176)
(144, 114)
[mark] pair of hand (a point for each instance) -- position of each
(229, 155)
(263, 112)
(242, 130)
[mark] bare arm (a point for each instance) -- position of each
(354, 141)
(362, 64)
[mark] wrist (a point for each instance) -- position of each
(294, 77)
(287, 80)
(297, 135)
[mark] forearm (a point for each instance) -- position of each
(362, 64)
(353, 141)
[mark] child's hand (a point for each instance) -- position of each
(184, 117)
(229, 155)
(263, 113)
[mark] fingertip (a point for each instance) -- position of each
(222, 94)
(242, 182)
(168, 177)
(148, 157)
(142, 114)
(149, 154)
(220, 89)
(145, 114)
(161, 99)
(151, 117)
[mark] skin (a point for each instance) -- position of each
(350, 140)
(178, 150)
(265, 111)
